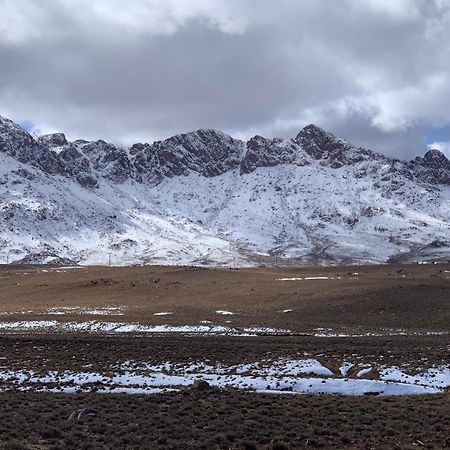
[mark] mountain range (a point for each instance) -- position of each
(205, 198)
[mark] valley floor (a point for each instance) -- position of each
(223, 420)
(388, 299)
(376, 335)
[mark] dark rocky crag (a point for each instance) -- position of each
(207, 152)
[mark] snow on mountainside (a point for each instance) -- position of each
(205, 198)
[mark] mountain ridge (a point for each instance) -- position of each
(206, 198)
(207, 151)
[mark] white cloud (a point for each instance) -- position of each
(375, 70)
(396, 9)
(402, 108)
(16, 21)
(22, 20)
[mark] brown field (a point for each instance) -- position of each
(414, 297)
(104, 353)
(379, 299)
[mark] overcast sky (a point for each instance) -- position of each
(375, 72)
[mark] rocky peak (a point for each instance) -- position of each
(53, 140)
(16, 142)
(262, 152)
(202, 144)
(435, 158)
(207, 152)
(318, 143)
(138, 147)
(109, 161)
(333, 151)
(13, 139)
(312, 131)
(433, 167)
(77, 165)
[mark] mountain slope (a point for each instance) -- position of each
(206, 198)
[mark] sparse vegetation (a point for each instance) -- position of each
(223, 420)
(400, 297)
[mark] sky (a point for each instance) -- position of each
(375, 72)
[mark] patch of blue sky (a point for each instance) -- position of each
(29, 126)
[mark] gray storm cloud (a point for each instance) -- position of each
(373, 71)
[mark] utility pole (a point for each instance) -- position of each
(109, 259)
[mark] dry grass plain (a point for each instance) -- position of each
(411, 297)
(353, 300)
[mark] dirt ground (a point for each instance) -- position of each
(415, 299)
(43, 353)
(410, 297)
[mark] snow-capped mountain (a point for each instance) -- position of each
(206, 198)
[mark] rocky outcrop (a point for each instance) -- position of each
(53, 140)
(433, 167)
(262, 152)
(333, 151)
(208, 153)
(16, 142)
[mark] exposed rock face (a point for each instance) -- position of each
(52, 140)
(16, 142)
(206, 152)
(77, 165)
(333, 151)
(434, 167)
(109, 161)
(262, 152)
(436, 159)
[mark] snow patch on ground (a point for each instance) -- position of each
(438, 377)
(329, 333)
(346, 366)
(103, 311)
(363, 372)
(280, 377)
(289, 279)
(29, 325)
(120, 327)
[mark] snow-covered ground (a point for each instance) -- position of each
(103, 311)
(205, 327)
(281, 376)
(330, 333)
(123, 327)
(311, 212)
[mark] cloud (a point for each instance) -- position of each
(373, 71)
